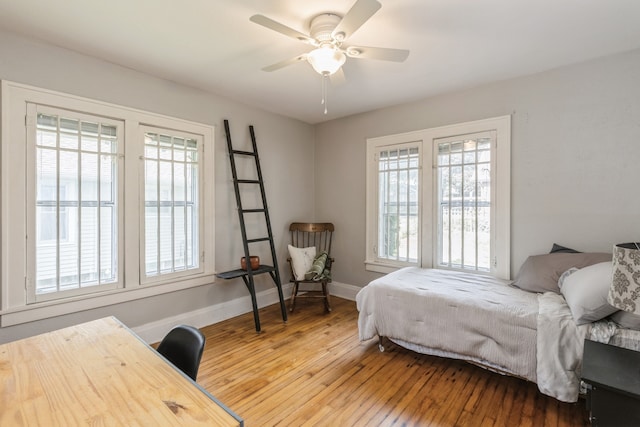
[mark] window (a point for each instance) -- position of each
(76, 202)
(398, 176)
(171, 202)
(452, 213)
(75, 237)
(463, 168)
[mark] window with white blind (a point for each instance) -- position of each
(101, 204)
(440, 198)
(76, 199)
(464, 188)
(171, 202)
(398, 220)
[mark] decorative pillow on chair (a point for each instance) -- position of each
(540, 273)
(301, 260)
(586, 292)
(317, 272)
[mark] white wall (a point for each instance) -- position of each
(575, 158)
(285, 146)
(575, 154)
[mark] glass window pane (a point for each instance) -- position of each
(90, 246)
(179, 189)
(89, 182)
(180, 239)
(171, 199)
(151, 241)
(107, 179)
(46, 136)
(69, 255)
(398, 185)
(75, 246)
(47, 122)
(165, 147)
(108, 250)
(464, 183)
(165, 237)
(165, 182)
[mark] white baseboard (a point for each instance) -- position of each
(154, 331)
(343, 290)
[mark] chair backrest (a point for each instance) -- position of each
(183, 346)
(307, 234)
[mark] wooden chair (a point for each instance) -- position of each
(305, 235)
(183, 346)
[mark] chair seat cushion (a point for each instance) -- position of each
(301, 260)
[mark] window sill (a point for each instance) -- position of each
(44, 310)
(385, 268)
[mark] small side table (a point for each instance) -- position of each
(612, 375)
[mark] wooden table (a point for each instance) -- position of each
(99, 373)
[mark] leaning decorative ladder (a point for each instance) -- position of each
(248, 274)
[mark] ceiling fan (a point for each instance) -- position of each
(327, 33)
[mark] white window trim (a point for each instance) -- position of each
(428, 215)
(13, 209)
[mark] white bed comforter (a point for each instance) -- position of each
(480, 319)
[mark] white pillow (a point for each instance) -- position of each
(586, 292)
(301, 260)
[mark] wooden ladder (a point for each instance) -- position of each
(248, 274)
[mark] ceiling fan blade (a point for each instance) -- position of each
(281, 28)
(359, 13)
(381, 53)
(286, 62)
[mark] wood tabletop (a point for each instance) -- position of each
(99, 373)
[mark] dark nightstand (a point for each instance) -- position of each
(612, 375)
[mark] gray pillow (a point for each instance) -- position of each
(558, 248)
(540, 273)
(626, 319)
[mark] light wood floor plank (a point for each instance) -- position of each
(313, 371)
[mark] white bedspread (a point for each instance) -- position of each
(560, 347)
(479, 319)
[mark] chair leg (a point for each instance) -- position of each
(325, 291)
(294, 293)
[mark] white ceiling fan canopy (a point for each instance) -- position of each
(322, 27)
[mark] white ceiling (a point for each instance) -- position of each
(212, 45)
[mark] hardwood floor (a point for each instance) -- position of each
(313, 370)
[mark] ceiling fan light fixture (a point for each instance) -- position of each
(326, 59)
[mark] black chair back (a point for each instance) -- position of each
(183, 346)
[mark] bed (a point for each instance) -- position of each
(528, 333)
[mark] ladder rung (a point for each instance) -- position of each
(244, 153)
(261, 239)
(248, 181)
(253, 210)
